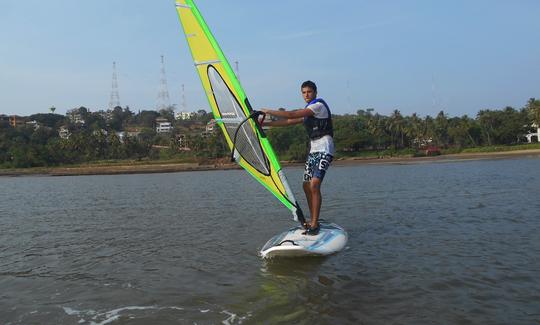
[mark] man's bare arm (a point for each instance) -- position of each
(298, 113)
(284, 122)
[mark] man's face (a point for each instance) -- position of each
(308, 94)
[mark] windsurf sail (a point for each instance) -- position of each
(232, 111)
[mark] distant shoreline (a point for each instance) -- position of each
(441, 158)
(122, 169)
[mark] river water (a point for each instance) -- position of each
(430, 243)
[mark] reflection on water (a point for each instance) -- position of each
(430, 243)
(286, 289)
(292, 267)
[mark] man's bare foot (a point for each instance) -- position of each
(312, 230)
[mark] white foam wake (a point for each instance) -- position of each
(93, 317)
(109, 316)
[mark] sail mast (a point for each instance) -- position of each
(232, 110)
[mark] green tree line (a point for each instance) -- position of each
(354, 134)
(98, 139)
(371, 132)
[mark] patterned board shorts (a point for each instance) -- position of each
(317, 164)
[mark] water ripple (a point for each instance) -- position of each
(429, 243)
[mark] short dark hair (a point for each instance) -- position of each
(309, 84)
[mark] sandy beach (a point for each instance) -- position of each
(186, 167)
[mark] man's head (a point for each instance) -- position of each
(309, 91)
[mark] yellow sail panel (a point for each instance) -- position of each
(201, 48)
(231, 108)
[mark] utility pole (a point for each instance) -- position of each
(436, 97)
(115, 97)
(163, 101)
(184, 106)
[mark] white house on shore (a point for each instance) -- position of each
(163, 125)
(531, 136)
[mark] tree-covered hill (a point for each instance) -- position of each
(83, 136)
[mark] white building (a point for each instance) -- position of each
(33, 124)
(75, 116)
(184, 115)
(210, 126)
(121, 136)
(163, 126)
(64, 133)
(530, 136)
(106, 115)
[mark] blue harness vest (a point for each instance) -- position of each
(318, 127)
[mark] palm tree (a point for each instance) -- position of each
(441, 129)
(396, 125)
(413, 129)
(376, 128)
(485, 118)
(466, 123)
(429, 129)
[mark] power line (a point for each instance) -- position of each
(114, 101)
(163, 101)
(184, 104)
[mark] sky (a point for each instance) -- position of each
(417, 56)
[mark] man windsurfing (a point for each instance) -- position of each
(317, 120)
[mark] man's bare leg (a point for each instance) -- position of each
(315, 200)
(307, 191)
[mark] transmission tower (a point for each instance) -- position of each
(115, 98)
(184, 105)
(163, 101)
